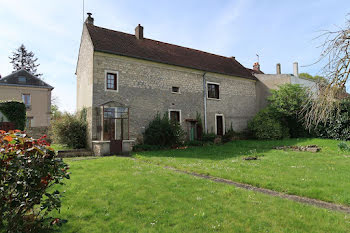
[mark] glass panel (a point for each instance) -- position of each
(109, 113)
(122, 112)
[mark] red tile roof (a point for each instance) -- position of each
(120, 43)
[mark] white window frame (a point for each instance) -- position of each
(208, 82)
(105, 77)
(223, 124)
(175, 110)
(179, 92)
(30, 100)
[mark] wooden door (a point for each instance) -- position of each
(219, 125)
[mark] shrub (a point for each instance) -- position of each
(15, 112)
(265, 125)
(163, 132)
(337, 125)
(70, 130)
(229, 135)
(28, 169)
(287, 103)
(208, 137)
(344, 146)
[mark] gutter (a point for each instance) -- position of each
(205, 103)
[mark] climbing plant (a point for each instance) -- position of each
(15, 112)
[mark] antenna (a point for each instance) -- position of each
(257, 57)
(83, 10)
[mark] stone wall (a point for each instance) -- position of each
(145, 87)
(37, 132)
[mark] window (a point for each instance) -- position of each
(111, 81)
(21, 79)
(175, 89)
(175, 116)
(213, 91)
(26, 100)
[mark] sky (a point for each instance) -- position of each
(278, 31)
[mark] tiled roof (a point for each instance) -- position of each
(30, 80)
(119, 43)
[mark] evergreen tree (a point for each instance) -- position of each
(21, 58)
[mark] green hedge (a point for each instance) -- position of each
(15, 112)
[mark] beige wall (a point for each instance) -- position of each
(40, 102)
(84, 71)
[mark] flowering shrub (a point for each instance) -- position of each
(28, 170)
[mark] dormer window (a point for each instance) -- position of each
(21, 79)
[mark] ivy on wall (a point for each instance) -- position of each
(15, 112)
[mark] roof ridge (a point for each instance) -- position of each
(164, 42)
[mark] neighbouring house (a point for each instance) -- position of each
(22, 86)
(124, 80)
(273, 81)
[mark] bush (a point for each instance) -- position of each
(163, 132)
(265, 125)
(229, 135)
(70, 130)
(15, 112)
(28, 169)
(287, 103)
(344, 146)
(208, 137)
(337, 125)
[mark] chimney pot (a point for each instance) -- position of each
(256, 66)
(295, 69)
(89, 19)
(139, 32)
(278, 68)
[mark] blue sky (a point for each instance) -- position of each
(279, 31)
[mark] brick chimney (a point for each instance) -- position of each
(278, 68)
(89, 19)
(256, 66)
(139, 32)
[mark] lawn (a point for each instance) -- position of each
(113, 194)
(324, 175)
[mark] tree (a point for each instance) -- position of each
(336, 52)
(317, 78)
(21, 58)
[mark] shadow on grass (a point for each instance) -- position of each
(225, 151)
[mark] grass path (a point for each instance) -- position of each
(324, 175)
(305, 200)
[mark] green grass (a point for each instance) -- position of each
(57, 147)
(324, 175)
(114, 194)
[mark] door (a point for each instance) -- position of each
(219, 125)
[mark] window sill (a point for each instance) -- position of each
(110, 90)
(176, 93)
(213, 99)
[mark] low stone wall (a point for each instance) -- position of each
(74, 153)
(37, 132)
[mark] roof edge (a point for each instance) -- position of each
(253, 78)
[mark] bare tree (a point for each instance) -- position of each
(336, 53)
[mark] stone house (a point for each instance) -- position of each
(273, 81)
(124, 80)
(24, 87)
